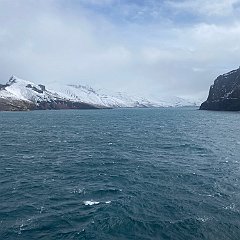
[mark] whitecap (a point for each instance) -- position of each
(78, 190)
(231, 207)
(9, 169)
(41, 210)
(107, 202)
(210, 195)
(90, 203)
(203, 219)
(28, 156)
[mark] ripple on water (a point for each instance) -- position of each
(120, 174)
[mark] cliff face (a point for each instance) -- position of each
(224, 94)
(15, 105)
(20, 105)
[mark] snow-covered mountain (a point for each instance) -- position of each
(77, 96)
(109, 99)
(27, 91)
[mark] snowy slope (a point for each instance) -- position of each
(27, 91)
(100, 97)
(118, 99)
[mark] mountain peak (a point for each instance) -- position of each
(12, 79)
(15, 79)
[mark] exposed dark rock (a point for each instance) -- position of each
(224, 94)
(7, 104)
(19, 105)
(12, 80)
(3, 86)
(34, 88)
(60, 104)
(42, 87)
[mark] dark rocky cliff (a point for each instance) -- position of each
(19, 105)
(224, 94)
(15, 105)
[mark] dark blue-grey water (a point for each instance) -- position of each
(120, 174)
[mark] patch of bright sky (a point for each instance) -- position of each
(176, 12)
(138, 11)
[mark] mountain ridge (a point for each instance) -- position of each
(18, 94)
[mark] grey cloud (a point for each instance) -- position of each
(46, 42)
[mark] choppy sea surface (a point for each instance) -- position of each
(120, 174)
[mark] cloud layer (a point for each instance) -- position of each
(152, 47)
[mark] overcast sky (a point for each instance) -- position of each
(139, 46)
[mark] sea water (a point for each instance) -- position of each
(170, 173)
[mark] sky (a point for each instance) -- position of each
(149, 47)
